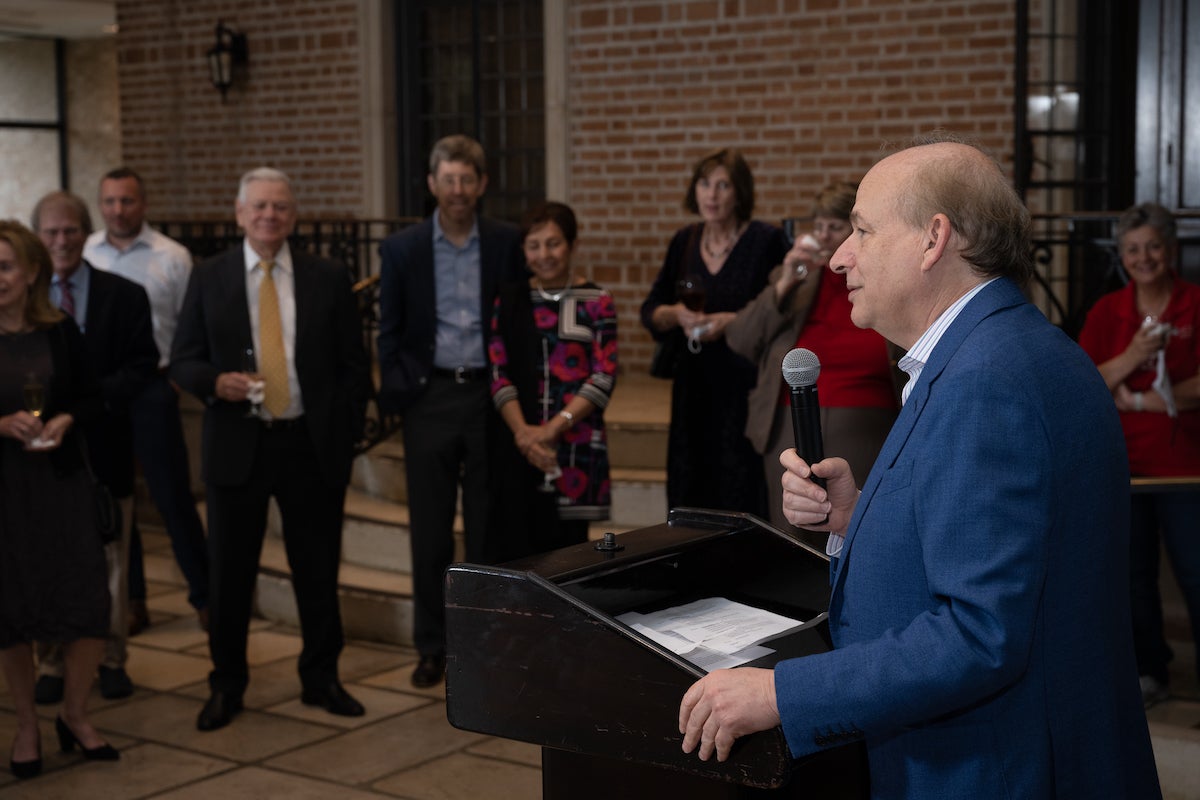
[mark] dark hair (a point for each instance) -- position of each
(458, 147)
(739, 175)
(33, 256)
(71, 202)
(835, 200)
(122, 173)
(550, 211)
(984, 210)
(1152, 214)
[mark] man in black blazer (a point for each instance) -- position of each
(114, 315)
(439, 280)
(264, 312)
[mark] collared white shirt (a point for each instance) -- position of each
(160, 265)
(284, 277)
(913, 362)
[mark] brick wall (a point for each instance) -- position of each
(299, 110)
(808, 89)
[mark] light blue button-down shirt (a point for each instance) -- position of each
(456, 272)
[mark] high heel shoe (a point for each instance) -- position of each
(27, 769)
(67, 741)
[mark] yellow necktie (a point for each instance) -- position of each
(272, 358)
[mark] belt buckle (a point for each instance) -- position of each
(460, 375)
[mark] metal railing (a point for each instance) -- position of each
(1075, 256)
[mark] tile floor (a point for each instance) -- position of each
(402, 748)
(277, 747)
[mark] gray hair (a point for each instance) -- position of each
(461, 148)
(261, 174)
(1152, 214)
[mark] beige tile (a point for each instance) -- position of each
(378, 703)
(172, 600)
(508, 750)
(162, 669)
(270, 684)
(155, 540)
(158, 588)
(161, 567)
(464, 777)
(361, 661)
(263, 647)
(399, 680)
(254, 783)
(172, 633)
(172, 720)
(378, 750)
(143, 771)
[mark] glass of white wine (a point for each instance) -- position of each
(35, 404)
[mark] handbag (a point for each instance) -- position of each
(668, 351)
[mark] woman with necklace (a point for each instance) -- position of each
(712, 269)
(52, 570)
(1144, 341)
(553, 352)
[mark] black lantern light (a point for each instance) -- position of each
(229, 51)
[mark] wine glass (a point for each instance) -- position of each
(35, 404)
(548, 479)
(691, 293)
(257, 387)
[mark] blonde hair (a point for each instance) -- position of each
(32, 256)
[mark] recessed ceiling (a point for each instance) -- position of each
(67, 19)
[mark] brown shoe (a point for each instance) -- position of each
(139, 617)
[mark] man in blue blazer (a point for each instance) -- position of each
(979, 612)
(263, 310)
(438, 283)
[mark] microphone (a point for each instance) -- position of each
(800, 369)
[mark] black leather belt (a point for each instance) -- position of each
(283, 424)
(463, 374)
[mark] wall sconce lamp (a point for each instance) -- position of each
(229, 52)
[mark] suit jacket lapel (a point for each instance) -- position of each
(1000, 294)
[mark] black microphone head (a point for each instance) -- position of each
(801, 368)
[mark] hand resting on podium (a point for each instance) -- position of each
(724, 705)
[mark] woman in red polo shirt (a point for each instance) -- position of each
(809, 308)
(1143, 340)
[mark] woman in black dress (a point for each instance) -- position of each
(720, 264)
(52, 569)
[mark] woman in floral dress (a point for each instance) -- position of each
(553, 352)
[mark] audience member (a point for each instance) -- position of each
(262, 318)
(129, 247)
(439, 281)
(805, 305)
(711, 270)
(981, 633)
(1144, 340)
(114, 315)
(553, 351)
(52, 564)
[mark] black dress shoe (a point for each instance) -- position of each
(67, 741)
(429, 672)
(48, 690)
(333, 698)
(114, 683)
(218, 712)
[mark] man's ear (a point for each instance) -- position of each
(937, 239)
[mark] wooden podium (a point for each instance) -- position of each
(534, 653)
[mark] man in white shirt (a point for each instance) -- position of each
(129, 247)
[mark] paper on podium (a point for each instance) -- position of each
(713, 633)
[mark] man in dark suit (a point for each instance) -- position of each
(264, 314)
(114, 315)
(439, 280)
(980, 602)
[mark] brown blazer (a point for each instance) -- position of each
(763, 332)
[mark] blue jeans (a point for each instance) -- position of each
(1175, 516)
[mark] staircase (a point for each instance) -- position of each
(375, 580)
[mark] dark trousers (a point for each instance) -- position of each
(160, 449)
(445, 442)
(1175, 516)
(286, 468)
